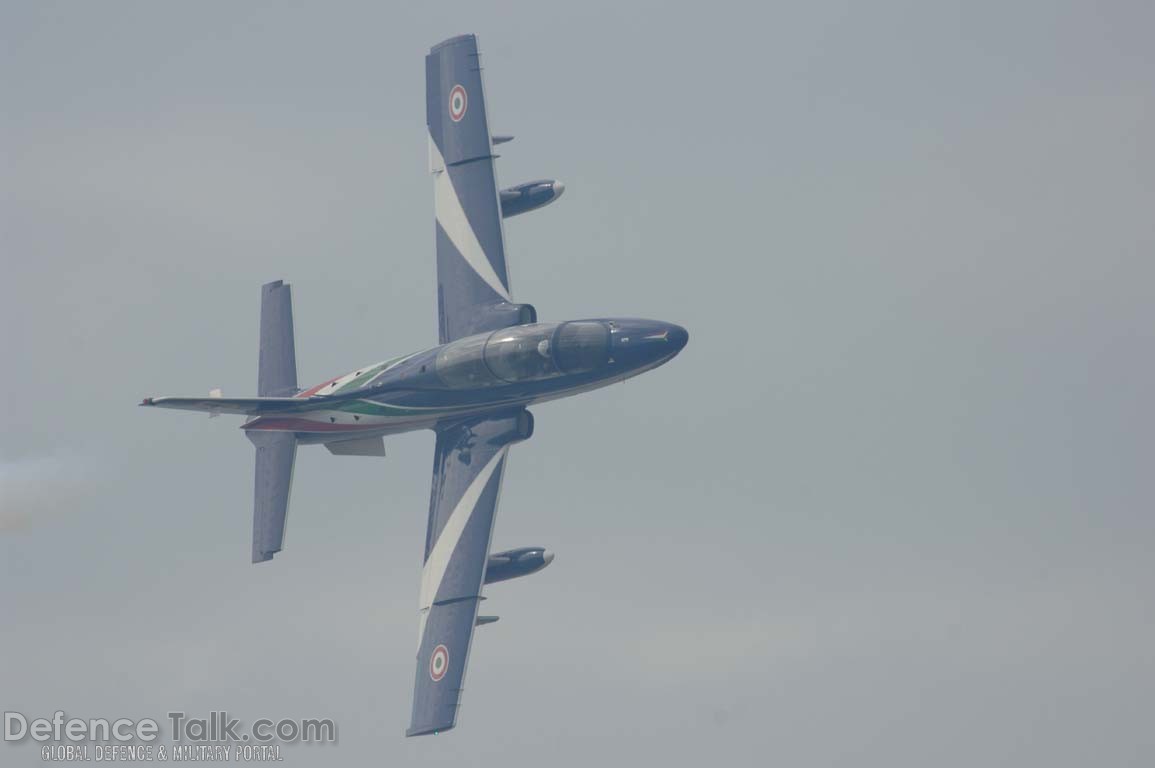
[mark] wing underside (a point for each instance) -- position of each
(468, 464)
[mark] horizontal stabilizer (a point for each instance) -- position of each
(277, 365)
(483, 620)
(365, 446)
(276, 452)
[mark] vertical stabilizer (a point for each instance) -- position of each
(277, 369)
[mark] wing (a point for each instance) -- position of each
(467, 469)
(472, 279)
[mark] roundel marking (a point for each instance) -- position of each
(458, 101)
(438, 663)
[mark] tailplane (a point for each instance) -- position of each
(277, 368)
(276, 451)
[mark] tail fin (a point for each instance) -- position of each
(277, 371)
(276, 451)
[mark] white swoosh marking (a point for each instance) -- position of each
(438, 561)
(451, 216)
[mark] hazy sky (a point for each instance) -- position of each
(892, 506)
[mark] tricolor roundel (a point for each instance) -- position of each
(438, 663)
(458, 101)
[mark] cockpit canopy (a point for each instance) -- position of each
(524, 353)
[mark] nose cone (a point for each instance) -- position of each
(640, 344)
(677, 336)
(547, 556)
(558, 188)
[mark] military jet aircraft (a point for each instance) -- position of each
(494, 359)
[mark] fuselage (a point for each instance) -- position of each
(505, 369)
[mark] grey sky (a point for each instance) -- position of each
(890, 507)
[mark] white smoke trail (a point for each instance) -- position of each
(31, 489)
